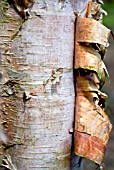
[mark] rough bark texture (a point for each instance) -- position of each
(41, 111)
(37, 91)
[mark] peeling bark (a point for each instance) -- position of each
(92, 125)
(37, 90)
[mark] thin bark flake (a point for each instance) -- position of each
(92, 125)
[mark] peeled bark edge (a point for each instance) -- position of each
(92, 125)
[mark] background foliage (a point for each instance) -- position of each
(109, 86)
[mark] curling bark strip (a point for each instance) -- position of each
(92, 125)
(89, 58)
(91, 31)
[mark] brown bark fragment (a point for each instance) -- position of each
(91, 147)
(95, 11)
(92, 120)
(88, 58)
(91, 31)
(92, 125)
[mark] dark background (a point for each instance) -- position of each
(109, 85)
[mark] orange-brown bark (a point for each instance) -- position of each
(92, 125)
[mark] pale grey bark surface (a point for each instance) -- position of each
(37, 90)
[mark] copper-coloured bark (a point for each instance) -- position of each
(91, 120)
(92, 128)
(90, 102)
(88, 58)
(91, 31)
(92, 125)
(89, 146)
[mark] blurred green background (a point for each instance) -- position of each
(109, 7)
(109, 86)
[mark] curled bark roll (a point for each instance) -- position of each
(92, 125)
(91, 31)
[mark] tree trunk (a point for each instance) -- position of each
(37, 89)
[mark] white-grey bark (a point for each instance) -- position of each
(37, 75)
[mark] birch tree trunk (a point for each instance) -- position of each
(37, 90)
